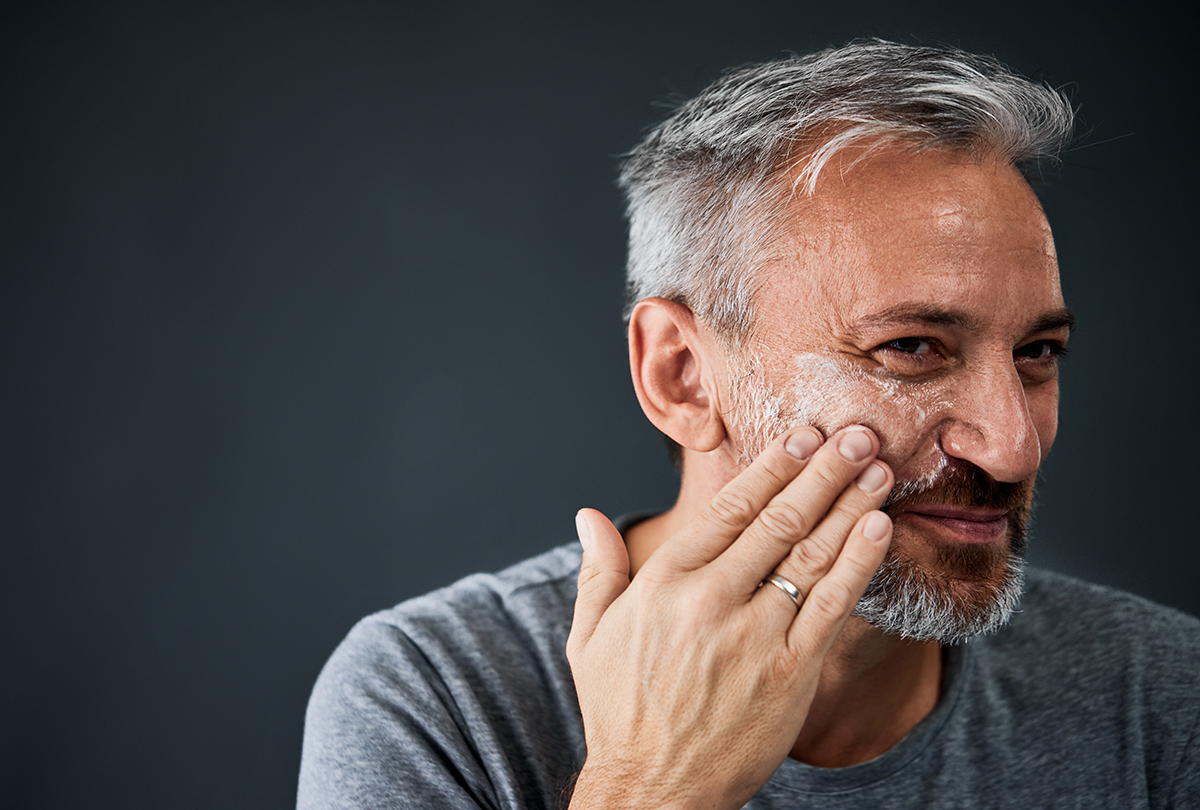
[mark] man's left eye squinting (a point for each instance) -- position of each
(911, 345)
(1041, 350)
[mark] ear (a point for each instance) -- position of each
(673, 373)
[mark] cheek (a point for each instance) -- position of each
(1043, 411)
(905, 420)
(902, 415)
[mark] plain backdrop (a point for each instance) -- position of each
(310, 308)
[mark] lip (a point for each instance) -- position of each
(961, 524)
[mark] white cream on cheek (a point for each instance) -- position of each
(830, 393)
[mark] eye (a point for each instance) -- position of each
(1037, 362)
(911, 345)
(911, 356)
(1041, 350)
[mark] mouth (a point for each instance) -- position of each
(959, 524)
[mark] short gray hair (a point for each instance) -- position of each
(704, 187)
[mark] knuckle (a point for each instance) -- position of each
(776, 469)
(695, 609)
(809, 555)
(784, 519)
(830, 600)
(731, 507)
(596, 581)
(830, 478)
(705, 597)
(587, 575)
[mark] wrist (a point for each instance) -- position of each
(599, 788)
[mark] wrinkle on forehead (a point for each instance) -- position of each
(939, 189)
(950, 219)
(902, 227)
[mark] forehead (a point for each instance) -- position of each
(901, 229)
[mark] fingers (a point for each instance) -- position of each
(822, 495)
(814, 556)
(831, 599)
(603, 575)
(739, 502)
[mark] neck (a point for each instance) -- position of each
(874, 688)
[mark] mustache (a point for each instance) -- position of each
(963, 484)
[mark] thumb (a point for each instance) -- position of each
(603, 575)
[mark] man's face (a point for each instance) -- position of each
(918, 294)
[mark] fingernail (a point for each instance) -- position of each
(872, 478)
(855, 445)
(803, 444)
(877, 526)
(585, 536)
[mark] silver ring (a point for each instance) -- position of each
(782, 584)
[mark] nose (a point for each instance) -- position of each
(990, 424)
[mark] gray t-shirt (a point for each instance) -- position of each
(1089, 698)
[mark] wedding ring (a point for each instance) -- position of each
(782, 584)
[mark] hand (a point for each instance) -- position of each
(693, 681)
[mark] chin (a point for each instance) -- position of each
(949, 593)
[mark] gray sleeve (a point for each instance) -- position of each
(1185, 792)
(382, 730)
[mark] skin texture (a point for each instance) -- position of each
(910, 316)
(964, 241)
(934, 231)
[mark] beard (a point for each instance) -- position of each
(967, 590)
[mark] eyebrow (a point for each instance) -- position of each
(917, 314)
(1056, 319)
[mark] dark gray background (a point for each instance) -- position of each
(309, 308)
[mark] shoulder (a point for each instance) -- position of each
(1094, 684)
(485, 626)
(530, 601)
(1070, 631)
(435, 696)
(1064, 612)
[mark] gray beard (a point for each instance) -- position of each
(968, 593)
(904, 600)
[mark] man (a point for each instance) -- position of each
(846, 316)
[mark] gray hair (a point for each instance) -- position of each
(705, 189)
